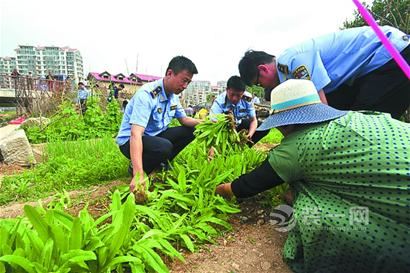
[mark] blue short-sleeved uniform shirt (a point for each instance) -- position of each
(152, 108)
(339, 57)
(82, 94)
(244, 108)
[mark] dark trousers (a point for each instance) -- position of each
(386, 89)
(162, 147)
(258, 135)
(83, 105)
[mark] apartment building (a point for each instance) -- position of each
(7, 65)
(197, 92)
(45, 60)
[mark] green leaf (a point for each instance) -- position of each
(76, 236)
(122, 260)
(37, 221)
(36, 244)
(18, 261)
(60, 238)
(170, 250)
(227, 209)
(182, 179)
(122, 225)
(46, 255)
(153, 260)
(76, 256)
(63, 218)
(188, 242)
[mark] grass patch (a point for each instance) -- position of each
(274, 136)
(68, 166)
(6, 116)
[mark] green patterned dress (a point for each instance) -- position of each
(351, 179)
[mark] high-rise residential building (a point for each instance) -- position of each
(221, 86)
(197, 92)
(7, 65)
(45, 60)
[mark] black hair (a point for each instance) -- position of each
(80, 83)
(179, 63)
(236, 83)
(248, 65)
(121, 85)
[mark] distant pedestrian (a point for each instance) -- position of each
(30, 85)
(82, 97)
(50, 81)
(189, 111)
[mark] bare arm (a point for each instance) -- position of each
(189, 122)
(322, 96)
(252, 126)
(136, 150)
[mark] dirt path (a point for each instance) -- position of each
(248, 248)
(252, 246)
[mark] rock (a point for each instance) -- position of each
(260, 211)
(16, 150)
(260, 222)
(235, 266)
(265, 265)
(41, 121)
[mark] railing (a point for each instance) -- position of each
(35, 95)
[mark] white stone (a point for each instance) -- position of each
(16, 150)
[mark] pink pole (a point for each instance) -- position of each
(392, 50)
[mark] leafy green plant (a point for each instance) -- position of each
(68, 124)
(219, 133)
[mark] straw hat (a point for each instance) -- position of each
(297, 102)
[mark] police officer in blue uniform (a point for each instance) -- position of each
(235, 100)
(144, 136)
(351, 69)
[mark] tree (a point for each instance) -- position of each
(395, 13)
(257, 90)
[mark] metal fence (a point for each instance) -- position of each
(36, 96)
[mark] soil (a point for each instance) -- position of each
(253, 245)
(10, 169)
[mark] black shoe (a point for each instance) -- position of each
(130, 170)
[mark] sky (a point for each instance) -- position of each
(142, 36)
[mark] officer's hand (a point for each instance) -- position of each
(138, 188)
(211, 153)
(225, 190)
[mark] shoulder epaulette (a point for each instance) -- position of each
(283, 68)
(155, 92)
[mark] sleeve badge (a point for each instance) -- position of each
(301, 72)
